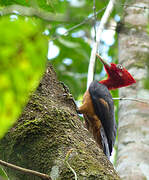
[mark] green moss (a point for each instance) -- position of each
(86, 166)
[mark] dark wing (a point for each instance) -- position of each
(104, 109)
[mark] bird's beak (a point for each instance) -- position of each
(103, 61)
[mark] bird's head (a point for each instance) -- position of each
(118, 76)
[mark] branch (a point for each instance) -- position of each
(86, 20)
(30, 11)
(96, 44)
(68, 165)
(143, 7)
(131, 99)
(25, 171)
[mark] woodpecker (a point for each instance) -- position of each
(98, 106)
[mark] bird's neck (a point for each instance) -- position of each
(108, 83)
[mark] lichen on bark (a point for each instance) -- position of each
(47, 130)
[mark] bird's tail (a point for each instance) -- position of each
(104, 142)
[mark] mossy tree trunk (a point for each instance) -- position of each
(48, 130)
(133, 139)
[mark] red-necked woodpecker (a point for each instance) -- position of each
(98, 107)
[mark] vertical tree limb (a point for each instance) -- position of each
(98, 38)
(133, 139)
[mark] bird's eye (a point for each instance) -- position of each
(119, 66)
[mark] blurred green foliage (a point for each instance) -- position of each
(3, 176)
(23, 51)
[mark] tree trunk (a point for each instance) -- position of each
(48, 130)
(133, 139)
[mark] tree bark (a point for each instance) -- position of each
(48, 133)
(133, 139)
